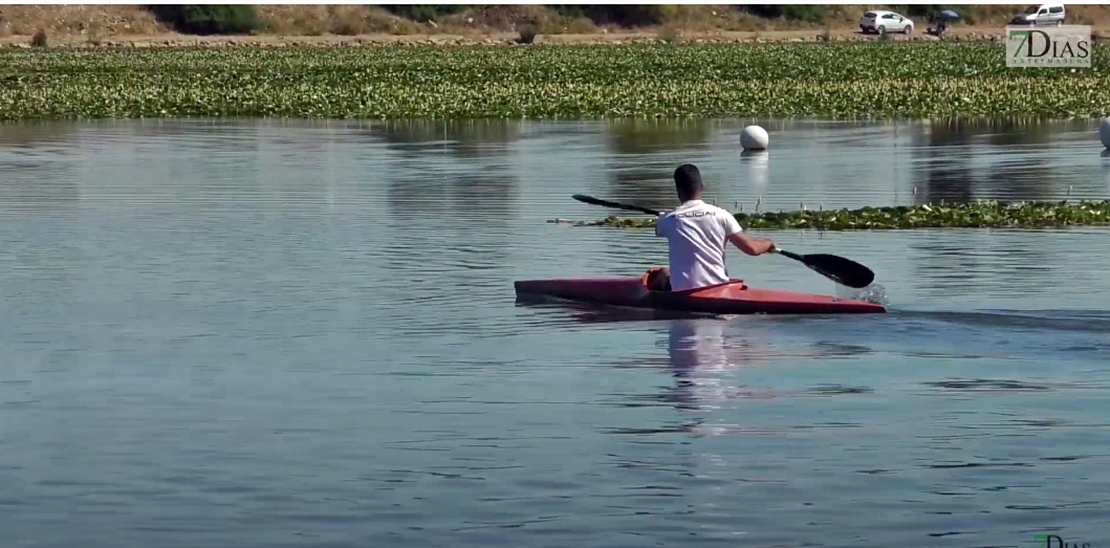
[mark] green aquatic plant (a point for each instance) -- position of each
(828, 80)
(989, 214)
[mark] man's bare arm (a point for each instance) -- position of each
(751, 246)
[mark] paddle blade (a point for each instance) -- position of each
(593, 201)
(840, 270)
(604, 203)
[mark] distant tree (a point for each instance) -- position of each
(927, 11)
(207, 18)
(813, 13)
(618, 14)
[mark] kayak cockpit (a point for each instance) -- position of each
(657, 280)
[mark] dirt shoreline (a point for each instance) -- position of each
(965, 33)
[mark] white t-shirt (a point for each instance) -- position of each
(697, 233)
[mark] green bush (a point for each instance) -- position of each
(207, 18)
(812, 13)
(617, 14)
(927, 11)
(527, 35)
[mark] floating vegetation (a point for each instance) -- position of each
(828, 80)
(971, 215)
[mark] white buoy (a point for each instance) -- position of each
(1104, 132)
(754, 138)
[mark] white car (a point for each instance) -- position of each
(1041, 14)
(882, 22)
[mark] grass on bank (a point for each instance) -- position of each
(828, 80)
(989, 214)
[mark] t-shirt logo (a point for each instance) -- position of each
(693, 214)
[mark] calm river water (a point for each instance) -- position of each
(284, 334)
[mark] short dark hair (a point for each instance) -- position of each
(687, 180)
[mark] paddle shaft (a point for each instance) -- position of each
(789, 254)
(802, 259)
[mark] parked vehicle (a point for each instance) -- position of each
(1041, 14)
(883, 21)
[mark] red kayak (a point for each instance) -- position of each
(733, 297)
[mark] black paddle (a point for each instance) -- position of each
(614, 205)
(838, 269)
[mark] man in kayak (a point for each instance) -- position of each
(697, 233)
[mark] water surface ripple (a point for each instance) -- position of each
(293, 334)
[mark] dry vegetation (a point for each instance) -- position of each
(91, 23)
(341, 20)
(25, 20)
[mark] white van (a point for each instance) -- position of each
(1041, 14)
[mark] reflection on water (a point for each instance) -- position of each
(954, 172)
(1106, 168)
(699, 354)
(702, 356)
(306, 324)
(31, 153)
(957, 266)
(31, 136)
(634, 137)
(757, 172)
(642, 153)
(465, 139)
(846, 164)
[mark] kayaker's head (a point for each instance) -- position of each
(687, 181)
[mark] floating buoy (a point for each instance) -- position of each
(755, 138)
(1104, 132)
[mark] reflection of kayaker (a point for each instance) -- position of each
(697, 233)
(699, 346)
(697, 343)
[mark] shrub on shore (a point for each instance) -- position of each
(206, 19)
(810, 13)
